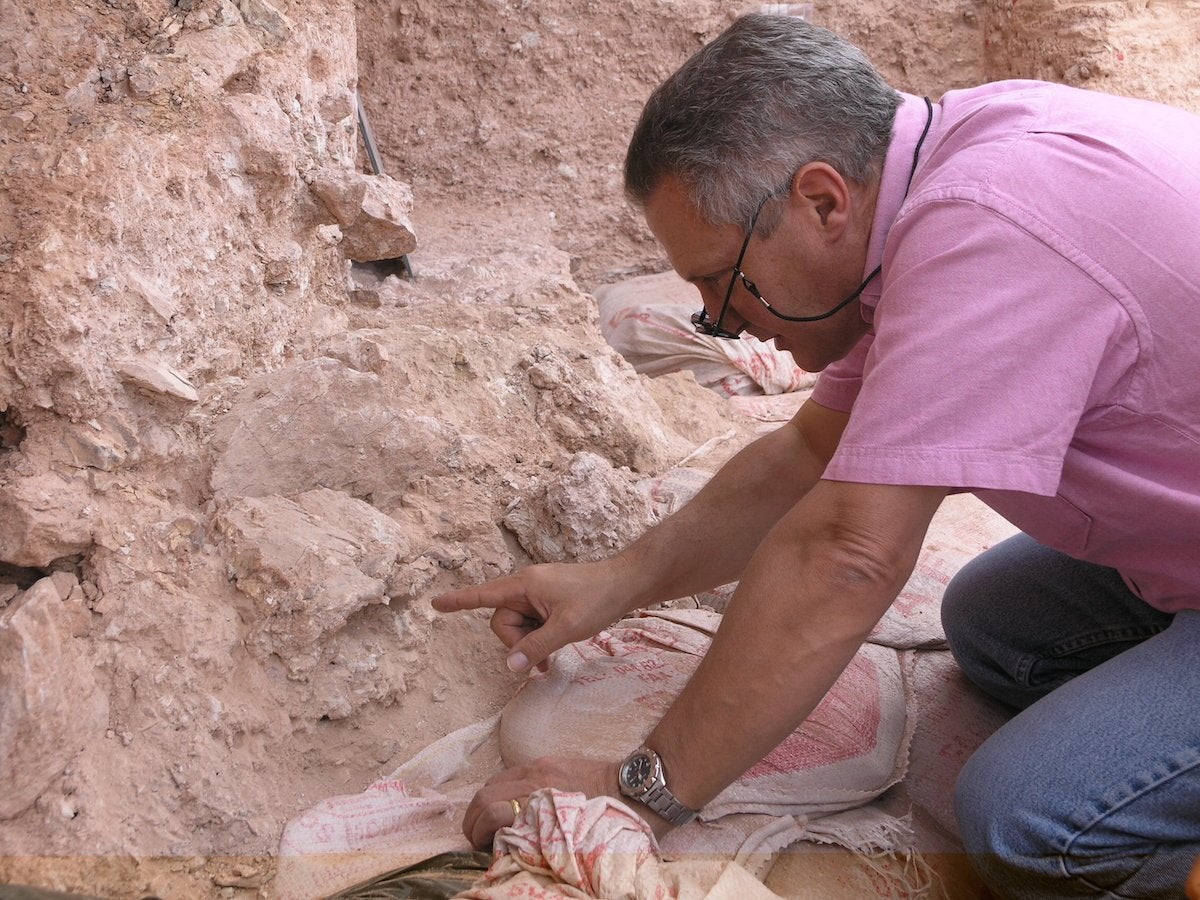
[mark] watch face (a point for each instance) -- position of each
(636, 771)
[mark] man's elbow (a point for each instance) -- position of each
(861, 564)
(870, 535)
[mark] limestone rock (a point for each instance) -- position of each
(218, 54)
(17, 121)
(107, 442)
(589, 401)
(262, 15)
(283, 263)
(156, 378)
(323, 424)
(341, 191)
(7, 593)
(309, 564)
(156, 295)
(586, 512)
(382, 229)
(372, 210)
(359, 350)
(151, 79)
(44, 517)
(49, 706)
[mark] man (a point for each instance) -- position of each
(1003, 293)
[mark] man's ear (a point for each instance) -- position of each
(823, 189)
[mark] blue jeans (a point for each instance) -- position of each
(1093, 789)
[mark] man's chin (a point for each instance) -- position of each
(796, 352)
(809, 362)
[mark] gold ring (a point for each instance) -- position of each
(516, 809)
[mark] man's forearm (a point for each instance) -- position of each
(709, 541)
(805, 604)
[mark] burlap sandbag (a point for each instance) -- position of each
(648, 321)
(602, 697)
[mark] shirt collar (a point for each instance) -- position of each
(893, 184)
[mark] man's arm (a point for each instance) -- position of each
(808, 599)
(708, 542)
(814, 588)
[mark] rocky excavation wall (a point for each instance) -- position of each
(231, 474)
(1147, 48)
(231, 479)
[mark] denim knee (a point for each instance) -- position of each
(1023, 619)
(1093, 790)
(1010, 845)
(1041, 845)
(971, 604)
(959, 619)
(987, 821)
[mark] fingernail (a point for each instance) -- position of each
(517, 662)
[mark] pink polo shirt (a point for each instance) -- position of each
(1036, 329)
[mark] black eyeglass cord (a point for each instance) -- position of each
(706, 326)
(879, 268)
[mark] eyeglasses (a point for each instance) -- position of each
(713, 329)
(704, 325)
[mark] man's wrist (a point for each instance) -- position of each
(660, 826)
(642, 777)
(637, 577)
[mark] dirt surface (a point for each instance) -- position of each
(231, 476)
(518, 114)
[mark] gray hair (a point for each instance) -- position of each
(769, 95)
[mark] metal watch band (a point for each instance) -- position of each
(650, 787)
(663, 802)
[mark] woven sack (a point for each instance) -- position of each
(603, 696)
(648, 321)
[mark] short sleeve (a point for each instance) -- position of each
(838, 384)
(990, 346)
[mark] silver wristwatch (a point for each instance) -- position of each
(643, 778)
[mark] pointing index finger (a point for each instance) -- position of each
(493, 595)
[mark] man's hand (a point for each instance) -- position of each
(492, 808)
(545, 607)
(1193, 882)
